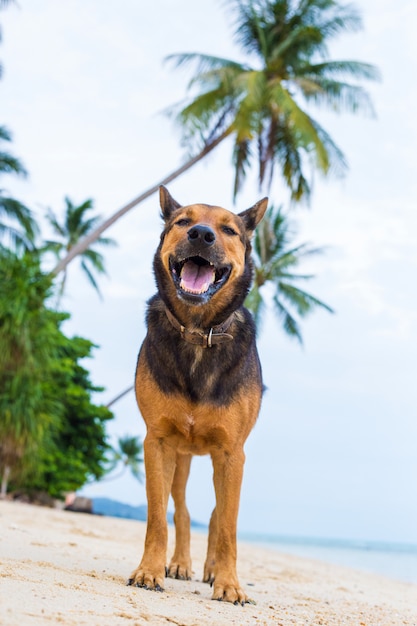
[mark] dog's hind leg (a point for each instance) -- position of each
(180, 565)
(208, 576)
(228, 473)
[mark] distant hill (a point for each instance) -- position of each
(113, 508)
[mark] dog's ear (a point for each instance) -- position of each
(251, 217)
(167, 202)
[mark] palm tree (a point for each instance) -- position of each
(75, 227)
(259, 103)
(275, 259)
(129, 452)
(22, 234)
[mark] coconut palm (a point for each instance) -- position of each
(19, 228)
(129, 453)
(275, 259)
(75, 226)
(259, 103)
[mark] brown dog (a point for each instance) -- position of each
(198, 384)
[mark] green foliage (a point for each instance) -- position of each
(275, 259)
(28, 335)
(259, 102)
(76, 450)
(52, 437)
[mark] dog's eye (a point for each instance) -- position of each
(228, 230)
(183, 222)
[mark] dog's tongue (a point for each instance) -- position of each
(196, 278)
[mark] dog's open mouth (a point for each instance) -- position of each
(198, 277)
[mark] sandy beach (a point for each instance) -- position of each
(58, 567)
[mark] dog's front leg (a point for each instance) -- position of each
(159, 466)
(180, 564)
(228, 472)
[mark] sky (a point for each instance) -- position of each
(84, 87)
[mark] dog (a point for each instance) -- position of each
(198, 384)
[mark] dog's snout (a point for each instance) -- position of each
(202, 235)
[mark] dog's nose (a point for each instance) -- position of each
(201, 234)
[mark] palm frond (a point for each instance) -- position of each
(302, 301)
(106, 241)
(338, 19)
(336, 95)
(337, 161)
(289, 323)
(293, 256)
(91, 278)
(11, 237)
(204, 118)
(53, 221)
(203, 63)
(5, 134)
(11, 165)
(256, 305)
(328, 69)
(8, 163)
(95, 259)
(55, 247)
(75, 226)
(287, 155)
(305, 130)
(241, 160)
(17, 211)
(275, 258)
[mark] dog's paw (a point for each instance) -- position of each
(230, 593)
(146, 578)
(179, 570)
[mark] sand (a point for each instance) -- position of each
(58, 567)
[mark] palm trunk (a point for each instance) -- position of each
(4, 481)
(85, 243)
(119, 396)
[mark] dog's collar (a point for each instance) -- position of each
(216, 334)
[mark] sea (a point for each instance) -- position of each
(397, 561)
(393, 560)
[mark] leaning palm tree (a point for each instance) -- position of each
(259, 103)
(75, 226)
(275, 260)
(17, 225)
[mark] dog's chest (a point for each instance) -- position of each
(198, 374)
(194, 431)
(185, 425)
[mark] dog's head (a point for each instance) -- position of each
(204, 254)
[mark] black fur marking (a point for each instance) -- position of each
(216, 377)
